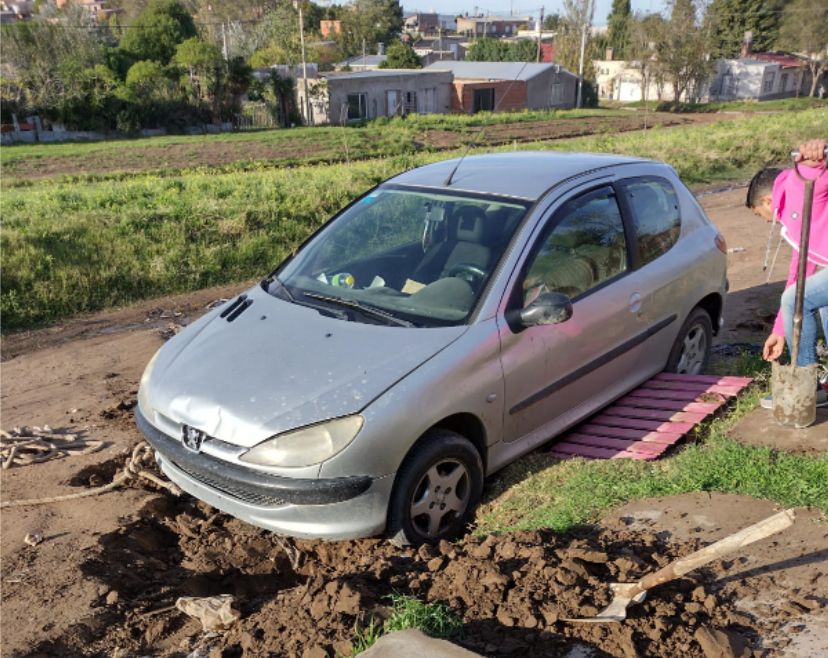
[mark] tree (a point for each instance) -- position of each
(645, 32)
(551, 22)
(498, 50)
(369, 22)
(618, 22)
(728, 20)
(147, 79)
(804, 29)
(682, 50)
(157, 31)
(573, 28)
(401, 56)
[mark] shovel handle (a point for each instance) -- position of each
(744, 537)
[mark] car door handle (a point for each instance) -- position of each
(635, 302)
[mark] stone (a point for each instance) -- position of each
(112, 598)
(717, 643)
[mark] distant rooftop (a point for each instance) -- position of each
(380, 73)
(367, 60)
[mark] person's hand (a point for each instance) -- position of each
(812, 151)
(773, 347)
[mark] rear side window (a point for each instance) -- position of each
(655, 208)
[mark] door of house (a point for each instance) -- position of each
(392, 102)
(484, 100)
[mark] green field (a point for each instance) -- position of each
(70, 247)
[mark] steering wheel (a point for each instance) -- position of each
(471, 274)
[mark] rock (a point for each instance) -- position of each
(112, 598)
(33, 539)
(414, 644)
(717, 643)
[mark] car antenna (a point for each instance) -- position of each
(482, 132)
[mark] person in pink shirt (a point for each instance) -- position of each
(785, 198)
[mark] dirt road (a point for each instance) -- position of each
(109, 567)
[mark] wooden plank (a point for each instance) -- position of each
(707, 379)
(656, 414)
(671, 405)
(616, 444)
(576, 450)
(668, 438)
(729, 390)
(686, 396)
(642, 423)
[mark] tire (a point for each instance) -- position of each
(691, 351)
(419, 512)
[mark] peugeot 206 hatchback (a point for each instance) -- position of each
(442, 325)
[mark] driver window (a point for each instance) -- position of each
(388, 221)
(585, 247)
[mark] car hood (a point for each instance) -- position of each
(278, 366)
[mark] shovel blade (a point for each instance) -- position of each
(794, 394)
(616, 611)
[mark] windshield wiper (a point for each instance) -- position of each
(275, 279)
(359, 306)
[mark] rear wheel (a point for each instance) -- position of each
(691, 351)
(436, 490)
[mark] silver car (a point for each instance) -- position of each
(445, 323)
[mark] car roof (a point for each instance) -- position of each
(522, 174)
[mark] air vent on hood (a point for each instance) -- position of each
(234, 310)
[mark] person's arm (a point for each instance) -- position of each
(812, 152)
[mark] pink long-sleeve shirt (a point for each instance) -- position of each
(788, 200)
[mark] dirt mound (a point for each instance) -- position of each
(308, 598)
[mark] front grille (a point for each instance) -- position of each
(230, 487)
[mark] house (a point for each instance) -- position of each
(759, 76)
(440, 48)
(493, 26)
(340, 98)
(361, 63)
(422, 23)
(330, 28)
(294, 71)
(507, 86)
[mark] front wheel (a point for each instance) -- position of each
(436, 491)
(691, 351)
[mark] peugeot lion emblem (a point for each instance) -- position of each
(192, 438)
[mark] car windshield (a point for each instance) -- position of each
(402, 257)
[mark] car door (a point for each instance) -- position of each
(556, 374)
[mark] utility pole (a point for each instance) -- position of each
(224, 42)
(363, 54)
(297, 4)
(540, 33)
(589, 6)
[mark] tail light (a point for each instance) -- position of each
(721, 243)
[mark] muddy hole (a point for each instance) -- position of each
(96, 475)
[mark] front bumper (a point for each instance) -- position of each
(330, 508)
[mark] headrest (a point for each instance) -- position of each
(471, 224)
(646, 200)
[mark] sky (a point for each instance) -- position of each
(521, 7)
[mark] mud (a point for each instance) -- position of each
(307, 598)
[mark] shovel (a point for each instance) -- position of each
(793, 387)
(628, 593)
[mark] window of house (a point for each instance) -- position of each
(783, 85)
(656, 218)
(585, 247)
(357, 106)
(483, 100)
(767, 85)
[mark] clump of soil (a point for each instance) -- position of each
(308, 597)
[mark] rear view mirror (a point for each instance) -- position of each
(548, 308)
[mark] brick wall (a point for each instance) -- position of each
(509, 95)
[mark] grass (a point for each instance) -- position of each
(750, 105)
(538, 492)
(69, 248)
(433, 619)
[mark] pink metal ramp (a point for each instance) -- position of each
(647, 421)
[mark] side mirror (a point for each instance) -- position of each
(548, 308)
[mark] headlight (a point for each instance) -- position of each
(306, 446)
(143, 387)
